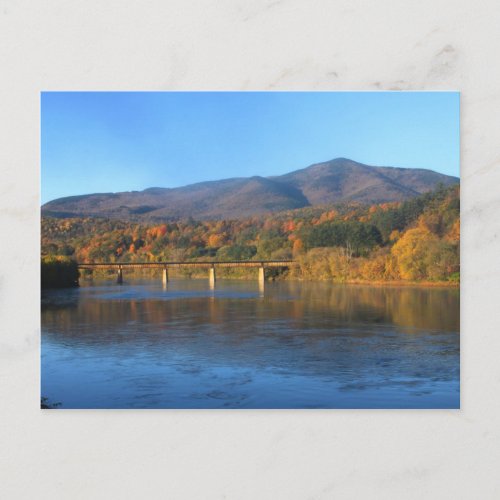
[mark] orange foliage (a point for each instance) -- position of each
(410, 252)
(328, 216)
(156, 232)
(215, 240)
(394, 236)
(454, 233)
(298, 246)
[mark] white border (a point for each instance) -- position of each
(238, 45)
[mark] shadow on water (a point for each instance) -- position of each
(293, 345)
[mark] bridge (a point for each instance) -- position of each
(261, 265)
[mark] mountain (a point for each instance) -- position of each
(333, 181)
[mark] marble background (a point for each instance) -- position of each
(240, 45)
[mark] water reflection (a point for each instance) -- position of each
(292, 345)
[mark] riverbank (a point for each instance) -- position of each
(447, 284)
(58, 272)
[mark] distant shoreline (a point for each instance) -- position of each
(429, 284)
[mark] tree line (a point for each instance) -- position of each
(415, 240)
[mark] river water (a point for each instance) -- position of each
(292, 345)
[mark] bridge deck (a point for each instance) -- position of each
(202, 264)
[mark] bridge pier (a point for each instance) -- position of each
(165, 276)
(262, 275)
(119, 278)
(211, 276)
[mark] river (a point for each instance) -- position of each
(291, 345)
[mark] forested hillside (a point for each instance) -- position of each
(414, 240)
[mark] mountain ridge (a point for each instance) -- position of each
(334, 181)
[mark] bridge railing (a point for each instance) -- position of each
(179, 264)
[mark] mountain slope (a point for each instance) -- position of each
(346, 180)
(323, 183)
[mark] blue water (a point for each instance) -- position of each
(292, 345)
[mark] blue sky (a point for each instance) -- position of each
(123, 141)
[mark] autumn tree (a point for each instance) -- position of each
(298, 247)
(412, 252)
